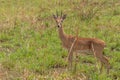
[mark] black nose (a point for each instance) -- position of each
(58, 26)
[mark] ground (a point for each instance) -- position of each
(30, 48)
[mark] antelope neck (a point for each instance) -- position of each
(61, 34)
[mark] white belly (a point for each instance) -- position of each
(84, 51)
(80, 51)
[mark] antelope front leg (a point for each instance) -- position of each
(70, 59)
(70, 54)
(76, 60)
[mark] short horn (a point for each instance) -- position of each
(57, 13)
(61, 13)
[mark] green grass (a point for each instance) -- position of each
(31, 49)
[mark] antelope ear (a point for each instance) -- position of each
(54, 16)
(64, 16)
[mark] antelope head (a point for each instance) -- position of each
(59, 19)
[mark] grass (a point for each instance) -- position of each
(31, 49)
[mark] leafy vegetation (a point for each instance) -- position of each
(30, 48)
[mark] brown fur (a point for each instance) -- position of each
(94, 45)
